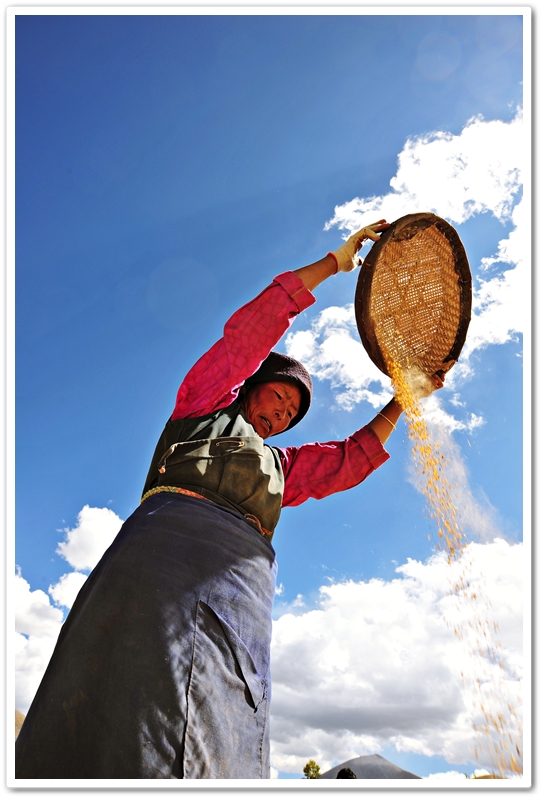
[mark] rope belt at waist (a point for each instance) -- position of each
(179, 490)
(176, 489)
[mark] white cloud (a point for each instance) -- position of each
(376, 665)
(453, 176)
(37, 622)
(34, 615)
(32, 656)
(453, 778)
(65, 591)
(95, 531)
(37, 626)
(331, 351)
(501, 305)
(447, 778)
(434, 413)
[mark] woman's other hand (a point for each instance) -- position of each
(424, 385)
(384, 423)
(438, 379)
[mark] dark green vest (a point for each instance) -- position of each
(221, 457)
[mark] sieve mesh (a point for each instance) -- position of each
(414, 295)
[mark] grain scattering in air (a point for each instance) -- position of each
(495, 719)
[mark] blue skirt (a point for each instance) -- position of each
(161, 669)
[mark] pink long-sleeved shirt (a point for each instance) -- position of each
(311, 470)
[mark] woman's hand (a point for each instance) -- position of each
(342, 260)
(384, 423)
(345, 255)
(424, 385)
(438, 379)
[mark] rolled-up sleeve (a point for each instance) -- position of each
(323, 468)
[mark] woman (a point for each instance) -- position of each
(161, 669)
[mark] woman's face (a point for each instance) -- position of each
(270, 407)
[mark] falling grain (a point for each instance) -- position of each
(492, 726)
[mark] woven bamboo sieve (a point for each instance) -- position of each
(414, 295)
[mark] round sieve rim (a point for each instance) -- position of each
(405, 228)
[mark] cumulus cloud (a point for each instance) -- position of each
(95, 531)
(378, 663)
(447, 778)
(452, 778)
(34, 615)
(453, 176)
(501, 304)
(434, 412)
(37, 622)
(65, 591)
(330, 351)
(37, 625)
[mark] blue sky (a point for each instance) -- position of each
(167, 168)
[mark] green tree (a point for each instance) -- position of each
(312, 770)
